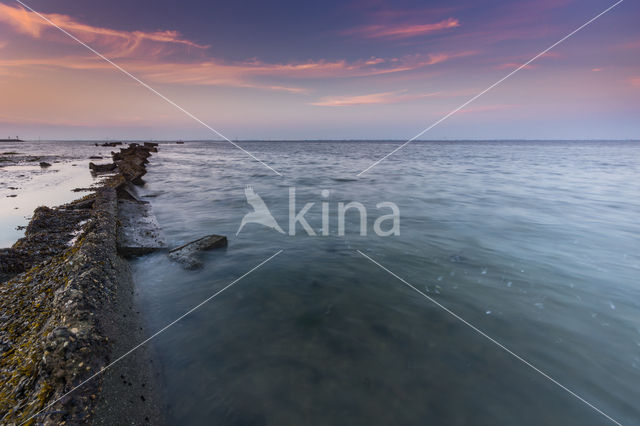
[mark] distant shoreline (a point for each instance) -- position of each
(11, 140)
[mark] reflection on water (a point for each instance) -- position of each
(534, 243)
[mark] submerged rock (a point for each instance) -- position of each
(186, 254)
(44, 164)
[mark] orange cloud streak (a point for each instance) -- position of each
(118, 43)
(213, 72)
(401, 31)
(144, 54)
(392, 97)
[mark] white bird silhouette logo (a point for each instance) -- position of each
(260, 213)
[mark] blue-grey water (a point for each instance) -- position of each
(534, 243)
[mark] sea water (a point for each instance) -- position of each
(517, 262)
(535, 244)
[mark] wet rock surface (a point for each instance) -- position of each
(102, 168)
(139, 232)
(51, 336)
(187, 254)
(48, 233)
(131, 162)
(63, 290)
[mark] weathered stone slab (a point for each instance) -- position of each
(139, 232)
(102, 168)
(186, 254)
(127, 191)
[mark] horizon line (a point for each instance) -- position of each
(329, 140)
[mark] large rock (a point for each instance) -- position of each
(186, 254)
(131, 162)
(102, 168)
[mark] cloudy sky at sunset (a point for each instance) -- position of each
(349, 69)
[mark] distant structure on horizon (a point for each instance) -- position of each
(9, 139)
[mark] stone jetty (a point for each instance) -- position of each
(65, 304)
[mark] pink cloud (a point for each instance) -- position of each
(392, 97)
(526, 20)
(516, 64)
(214, 72)
(117, 43)
(399, 31)
(513, 65)
(635, 81)
(368, 99)
(146, 55)
(629, 45)
(360, 68)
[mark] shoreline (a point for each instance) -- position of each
(68, 311)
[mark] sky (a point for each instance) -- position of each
(348, 69)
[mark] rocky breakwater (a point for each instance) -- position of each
(62, 291)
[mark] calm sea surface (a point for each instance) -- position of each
(537, 244)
